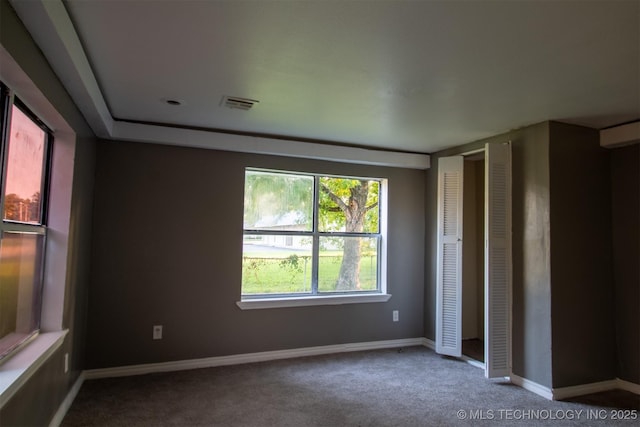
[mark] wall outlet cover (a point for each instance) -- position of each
(157, 332)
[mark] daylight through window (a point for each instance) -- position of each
(310, 234)
(24, 154)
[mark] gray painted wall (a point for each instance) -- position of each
(531, 255)
(38, 400)
(625, 198)
(581, 273)
(167, 248)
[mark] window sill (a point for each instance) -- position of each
(256, 304)
(17, 370)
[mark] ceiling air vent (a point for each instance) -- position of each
(238, 103)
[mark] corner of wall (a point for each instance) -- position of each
(582, 309)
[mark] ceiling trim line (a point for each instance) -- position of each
(49, 24)
(135, 132)
(618, 136)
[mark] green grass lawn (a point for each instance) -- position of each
(269, 273)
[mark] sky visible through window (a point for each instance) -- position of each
(24, 169)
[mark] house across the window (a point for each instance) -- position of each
(311, 235)
(24, 152)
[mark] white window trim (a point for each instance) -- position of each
(19, 367)
(295, 300)
(15, 372)
(261, 303)
(10, 227)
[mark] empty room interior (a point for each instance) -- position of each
(200, 190)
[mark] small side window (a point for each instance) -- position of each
(25, 158)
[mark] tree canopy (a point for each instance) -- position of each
(23, 210)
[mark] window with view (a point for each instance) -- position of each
(24, 152)
(310, 235)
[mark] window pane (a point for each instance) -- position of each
(275, 201)
(25, 166)
(348, 205)
(20, 266)
(276, 264)
(348, 264)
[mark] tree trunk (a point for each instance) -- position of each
(349, 277)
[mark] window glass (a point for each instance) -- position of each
(276, 264)
(275, 201)
(348, 264)
(348, 205)
(310, 234)
(24, 176)
(20, 287)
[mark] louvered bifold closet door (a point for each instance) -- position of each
(498, 260)
(449, 257)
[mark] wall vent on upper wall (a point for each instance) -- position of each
(238, 103)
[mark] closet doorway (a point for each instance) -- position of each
(460, 291)
(473, 258)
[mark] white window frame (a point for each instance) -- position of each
(17, 227)
(262, 301)
(19, 368)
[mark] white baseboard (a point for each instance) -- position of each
(429, 343)
(532, 386)
(573, 391)
(66, 403)
(432, 345)
(473, 362)
(237, 359)
(628, 386)
(582, 389)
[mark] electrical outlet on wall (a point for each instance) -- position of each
(157, 332)
(396, 315)
(66, 363)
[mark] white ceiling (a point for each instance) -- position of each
(415, 76)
